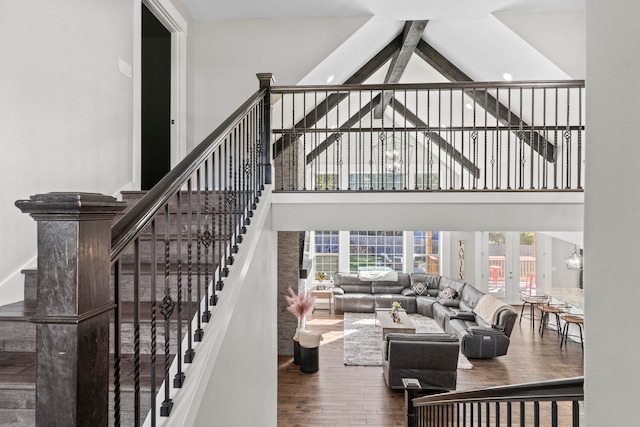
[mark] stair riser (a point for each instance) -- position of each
(144, 291)
(127, 345)
(19, 336)
(145, 253)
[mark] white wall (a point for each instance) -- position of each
(227, 54)
(66, 111)
(612, 209)
(233, 379)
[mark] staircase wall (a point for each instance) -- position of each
(235, 367)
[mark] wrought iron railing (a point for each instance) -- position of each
(174, 248)
(548, 403)
(431, 137)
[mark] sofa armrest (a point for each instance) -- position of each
(408, 292)
(463, 315)
(479, 330)
(337, 290)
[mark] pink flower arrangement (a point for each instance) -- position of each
(300, 304)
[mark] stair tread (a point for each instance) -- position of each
(18, 311)
(18, 369)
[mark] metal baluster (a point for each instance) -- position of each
(533, 137)
(509, 414)
(522, 413)
(579, 174)
(304, 142)
(575, 413)
(154, 332)
(451, 146)
(117, 341)
(567, 137)
(555, 141)
(509, 139)
(545, 179)
(207, 237)
(498, 408)
(200, 237)
(554, 413)
(536, 413)
(190, 353)
(166, 309)
(486, 133)
(136, 330)
(462, 107)
(178, 379)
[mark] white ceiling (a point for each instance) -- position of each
(531, 39)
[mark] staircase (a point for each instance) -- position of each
(18, 334)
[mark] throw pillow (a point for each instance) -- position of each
(420, 288)
(447, 293)
(448, 297)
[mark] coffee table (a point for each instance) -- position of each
(388, 325)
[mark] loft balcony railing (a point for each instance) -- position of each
(430, 137)
(541, 404)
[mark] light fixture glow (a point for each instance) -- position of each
(574, 261)
(330, 78)
(468, 106)
(507, 76)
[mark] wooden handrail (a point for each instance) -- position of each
(558, 390)
(139, 216)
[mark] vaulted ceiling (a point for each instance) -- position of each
(529, 39)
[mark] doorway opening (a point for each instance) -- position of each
(155, 100)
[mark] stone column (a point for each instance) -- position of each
(72, 316)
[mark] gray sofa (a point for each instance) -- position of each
(480, 338)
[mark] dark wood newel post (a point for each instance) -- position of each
(72, 316)
(266, 80)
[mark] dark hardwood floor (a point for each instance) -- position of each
(348, 395)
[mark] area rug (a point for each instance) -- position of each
(363, 339)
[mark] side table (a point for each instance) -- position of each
(323, 294)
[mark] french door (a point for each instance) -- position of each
(510, 264)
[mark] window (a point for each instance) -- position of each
(376, 248)
(374, 181)
(327, 251)
(427, 181)
(325, 182)
(426, 252)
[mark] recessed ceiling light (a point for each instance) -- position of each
(468, 106)
(330, 78)
(507, 76)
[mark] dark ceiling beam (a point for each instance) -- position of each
(359, 77)
(411, 35)
(486, 101)
(442, 143)
(353, 120)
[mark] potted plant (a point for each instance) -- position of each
(321, 276)
(299, 305)
(395, 306)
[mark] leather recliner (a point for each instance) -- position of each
(430, 358)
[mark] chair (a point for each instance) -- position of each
(571, 319)
(532, 301)
(546, 310)
(430, 358)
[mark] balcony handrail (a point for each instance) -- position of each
(139, 216)
(558, 390)
(538, 84)
(542, 403)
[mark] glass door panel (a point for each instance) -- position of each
(511, 264)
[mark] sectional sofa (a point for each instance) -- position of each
(482, 323)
